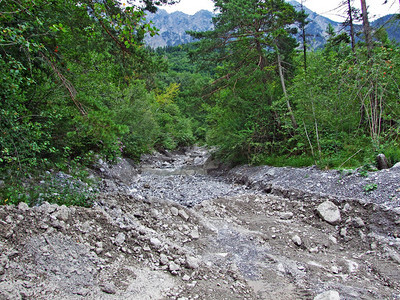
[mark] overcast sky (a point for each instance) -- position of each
(324, 7)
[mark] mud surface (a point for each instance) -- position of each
(167, 230)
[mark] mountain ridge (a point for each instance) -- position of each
(173, 26)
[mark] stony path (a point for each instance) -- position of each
(166, 230)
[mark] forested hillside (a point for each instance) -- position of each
(78, 83)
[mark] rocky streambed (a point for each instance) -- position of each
(166, 229)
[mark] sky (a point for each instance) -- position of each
(326, 8)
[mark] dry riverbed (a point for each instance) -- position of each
(167, 230)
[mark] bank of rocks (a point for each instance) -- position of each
(124, 251)
(379, 204)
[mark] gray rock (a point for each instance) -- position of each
(329, 295)
(85, 227)
(358, 222)
(343, 232)
(173, 267)
(120, 239)
(329, 212)
(23, 206)
(192, 262)
(396, 166)
(82, 292)
(183, 214)
(155, 242)
(108, 288)
(382, 162)
(164, 259)
(286, 215)
(186, 277)
(347, 207)
(194, 234)
(174, 211)
(63, 213)
(296, 240)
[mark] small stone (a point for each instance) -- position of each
(155, 242)
(329, 212)
(164, 259)
(347, 207)
(343, 232)
(108, 288)
(120, 239)
(358, 222)
(85, 227)
(82, 292)
(23, 206)
(173, 267)
(63, 213)
(194, 234)
(183, 214)
(186, 277)
(174, 211)
(333, 239)
(335, 270)
(286, 215)
(192, 262)
(296, 240)
(329, 295)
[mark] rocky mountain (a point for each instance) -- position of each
(173, 27)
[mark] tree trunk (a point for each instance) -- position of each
(367, 28)
(350, 12)
(292, 118)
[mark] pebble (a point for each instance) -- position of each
(358, 222)
(173, 267)
(186, 277)
(155, 242)
(329, 295)
(164, 259)
(333, 239)
(296, 240)
(63, 213)
(23, 206)
(194, 234)
(335, 270)
(108, 288)
(183, 214)
(120, 239)
(192, 262)
(174, 211)
(329, 212)
(286, 215)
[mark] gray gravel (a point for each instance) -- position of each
(381, 187)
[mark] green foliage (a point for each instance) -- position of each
(248, 41)
(75, 80)
(51, 191)
(370, 187)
